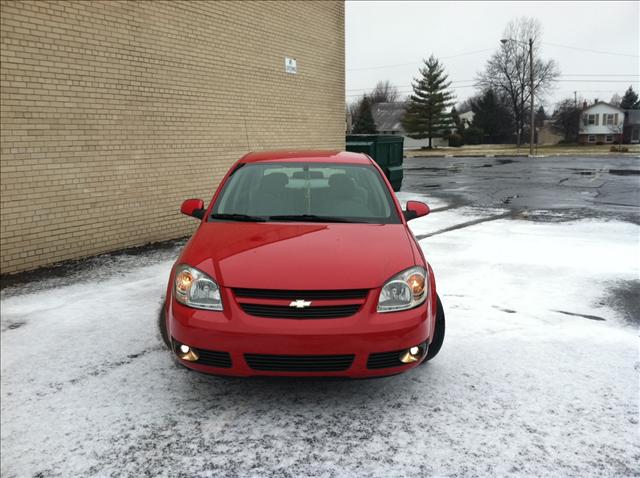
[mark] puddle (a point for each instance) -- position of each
(432, 169)
(624, 172)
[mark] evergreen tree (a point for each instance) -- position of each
(492, 115)
(427, 108)
(630, 100)
(540, 117)
(364, 122)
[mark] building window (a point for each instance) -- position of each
(591, 138)
(608, 139)
(609, 119)
(592, 119)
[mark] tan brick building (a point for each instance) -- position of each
(114, 112)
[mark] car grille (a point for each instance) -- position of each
(213, 358)
(385, 360)
(299, 363)
(286, 312)
(301, 294)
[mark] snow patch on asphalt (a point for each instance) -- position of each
(518, 389)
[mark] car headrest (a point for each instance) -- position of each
(342, 185)
(274, 181)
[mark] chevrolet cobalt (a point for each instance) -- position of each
(303, 265)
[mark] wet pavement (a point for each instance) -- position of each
(576, 187)
(543, 189)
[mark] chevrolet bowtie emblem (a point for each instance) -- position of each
(300, 304)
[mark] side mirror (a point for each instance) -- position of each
(193, 208)
(416, 209)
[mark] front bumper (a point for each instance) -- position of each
(235, 343)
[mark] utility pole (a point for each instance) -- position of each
(531, 87)
(575, 99)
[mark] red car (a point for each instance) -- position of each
(303, 265)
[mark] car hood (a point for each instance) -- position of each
(297, 256)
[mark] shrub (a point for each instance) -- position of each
(619, 149)
(473, 135)
(599, 143)
(455, 140)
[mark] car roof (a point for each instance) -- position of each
(307, 156)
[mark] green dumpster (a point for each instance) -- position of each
(385, 149)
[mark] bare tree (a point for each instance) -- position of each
(466, 105)
(384, 92)
(566, 118)
(508, 70)
(616, 99)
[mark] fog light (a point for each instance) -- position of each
(187, 353)
(412, 354)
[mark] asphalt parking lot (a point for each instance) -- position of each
(544, 189)
(577, 187)
(538, 265)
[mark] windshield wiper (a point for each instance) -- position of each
(310, 218)
(238, 217)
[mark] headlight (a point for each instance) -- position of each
(196, 289)
(404, 291)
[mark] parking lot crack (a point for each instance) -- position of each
(586, 316)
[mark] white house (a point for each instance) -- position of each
(601, 123)
(467, 117)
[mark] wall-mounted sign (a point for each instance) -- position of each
(290, 65)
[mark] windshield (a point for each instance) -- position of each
(305, 192)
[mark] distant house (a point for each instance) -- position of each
(388, 119)
(466, 118)
(601, 123)
(632, 126)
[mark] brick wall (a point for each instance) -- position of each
(112, 112)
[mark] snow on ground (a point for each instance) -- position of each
(521, 387)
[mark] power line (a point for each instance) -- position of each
(418, 62)
(403, 91)
(598, 74)
(474, 82)
(596, 81)
(599, 52)
(590, 51)
(408, 86)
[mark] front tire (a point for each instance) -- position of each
(438, 334)
(162, 325)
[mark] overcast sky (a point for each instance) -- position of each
(388, 40)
